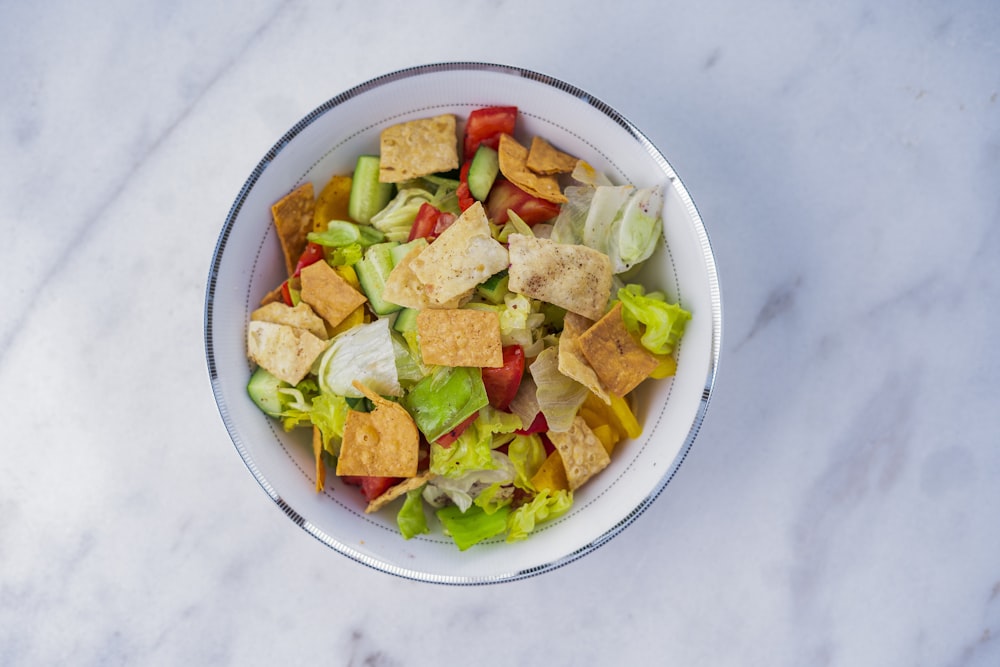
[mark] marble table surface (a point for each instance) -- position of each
(840, 506)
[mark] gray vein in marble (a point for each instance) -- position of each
(779, 301)
(16, 321)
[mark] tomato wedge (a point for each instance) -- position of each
(465, 198)
(371, 487)
(452, 435)
(502, 383)
(485, 126)
(505, 196)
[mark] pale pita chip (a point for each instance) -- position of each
(573, 277)
(572, 363)
(380, 443)
(418, 148)
(293, 220)
(300, 315)
(513, 159)
(285, 352)
(403, 288)
(544, 159)
(398, 490)
(463, 256)
(456, 337)
(620, 361)
(328, 293)
(582, 453)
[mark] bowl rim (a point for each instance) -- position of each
(708, 258)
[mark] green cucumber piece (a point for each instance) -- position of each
(368, 194)
(483, 171)
(373, 269)
(406, 320)
(263, 389)
(494, 289)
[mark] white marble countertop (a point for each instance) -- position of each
(840, 506)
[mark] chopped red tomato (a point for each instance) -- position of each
(465, 198)
(502, 383)
(485, 126)
(371, 487)
(430, 222)
(452, 435)
(539, 425)
(505, 195)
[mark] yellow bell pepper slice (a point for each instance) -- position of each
(666, 367)
(331, 203)
(551, 474)
(626, 419)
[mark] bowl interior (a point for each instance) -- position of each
(247, 264)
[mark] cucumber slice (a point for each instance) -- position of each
(403, 249)
(406, 320)
(483, 171)
(368, 194)
(495, 288)
(263, 389)
(373, 269)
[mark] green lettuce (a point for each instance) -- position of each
(411, 518)
(341, 233)
(527, 454)
(658, 324)
(473, 525)
(444, 399)
(364, 353)
(545, 506)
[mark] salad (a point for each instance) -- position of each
(458, 327)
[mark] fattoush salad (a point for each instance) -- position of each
(458, 328)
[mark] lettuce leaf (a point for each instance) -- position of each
(658, 324)
(341, 233)
(443, 400)
(473, 525)
(462, 489)
(559, 397)
(527, 454)
(545, 506)
(411, 518)
(363, 353)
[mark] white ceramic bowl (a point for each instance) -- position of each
(247, 263)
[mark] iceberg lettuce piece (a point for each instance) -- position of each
(397, 217)
(545, 506)
(411, 519)
(341, 233)
(662, 323)
(462, 489)
(364, 353)
(473, 525)
(559, 397)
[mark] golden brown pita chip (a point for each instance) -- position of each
(293, 219)
(572, 363)
(285, 352)
(380, 443)
(570, 276)
(514, 166)
(583, 455)
(317, 442)
(398, 490)
(300, 315)
(328, 293)
(620, 361)
(457, 337)
(272, 296)
(546, 160)
(418, 148)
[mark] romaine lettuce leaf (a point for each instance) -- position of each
(445, 399)
(411, 518)
(527, 454)
(461, 489)
(545, 506)
(473, 525)
(662, 323)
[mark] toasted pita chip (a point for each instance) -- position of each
(456, 337)
(514, 166)
(285, 352)
(328, 293)
(573, 277)
(463, 256)
(582, 454)
(403, 288)
(620, 361)
(380, 443)
(546, 160)
(317, 443)
(398, 490)
(417, 148)
(572, 363)
(300, 315)
(272, 296)
(293, 220)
